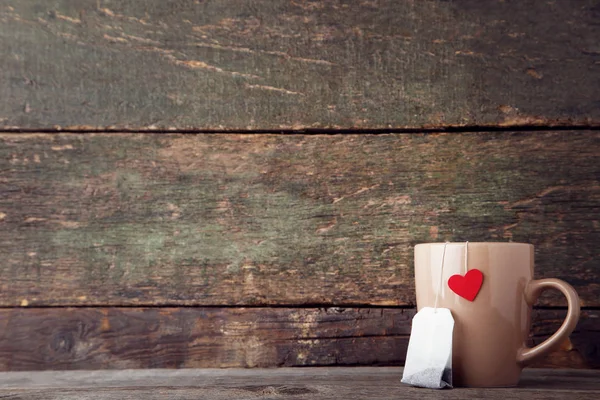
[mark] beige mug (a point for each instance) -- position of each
(490, 333)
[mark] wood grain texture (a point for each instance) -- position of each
(137, 219)
(531, 379)
(109, 338)
(82, 338)
(332, 392)
(305, 383)
(233, 64)
(583, 348)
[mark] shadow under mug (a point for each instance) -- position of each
(490, 333)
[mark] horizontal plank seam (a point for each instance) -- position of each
(315, 131)
(350, 365)
(341, 337)
(253, 306)
(301, 306)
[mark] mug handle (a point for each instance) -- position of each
(526, 355)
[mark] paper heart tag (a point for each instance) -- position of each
(467, 286)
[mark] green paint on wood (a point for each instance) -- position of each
(268, 219)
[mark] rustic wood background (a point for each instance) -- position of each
(240, 184)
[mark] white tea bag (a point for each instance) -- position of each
(429, 357)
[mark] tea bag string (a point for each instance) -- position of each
(437, 295)
(466, 256)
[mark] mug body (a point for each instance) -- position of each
(490, 330)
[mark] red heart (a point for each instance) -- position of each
(467, 286)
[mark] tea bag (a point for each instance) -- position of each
(429, 357)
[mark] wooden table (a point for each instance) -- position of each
(283, 383)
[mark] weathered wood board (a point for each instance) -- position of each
(108, 338)
(531, 379)
(136, 219)
(238, 65)
(305, 383)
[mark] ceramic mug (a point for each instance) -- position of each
(490, 331)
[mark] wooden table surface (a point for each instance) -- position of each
(282, 383)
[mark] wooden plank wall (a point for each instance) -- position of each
(231, 183)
